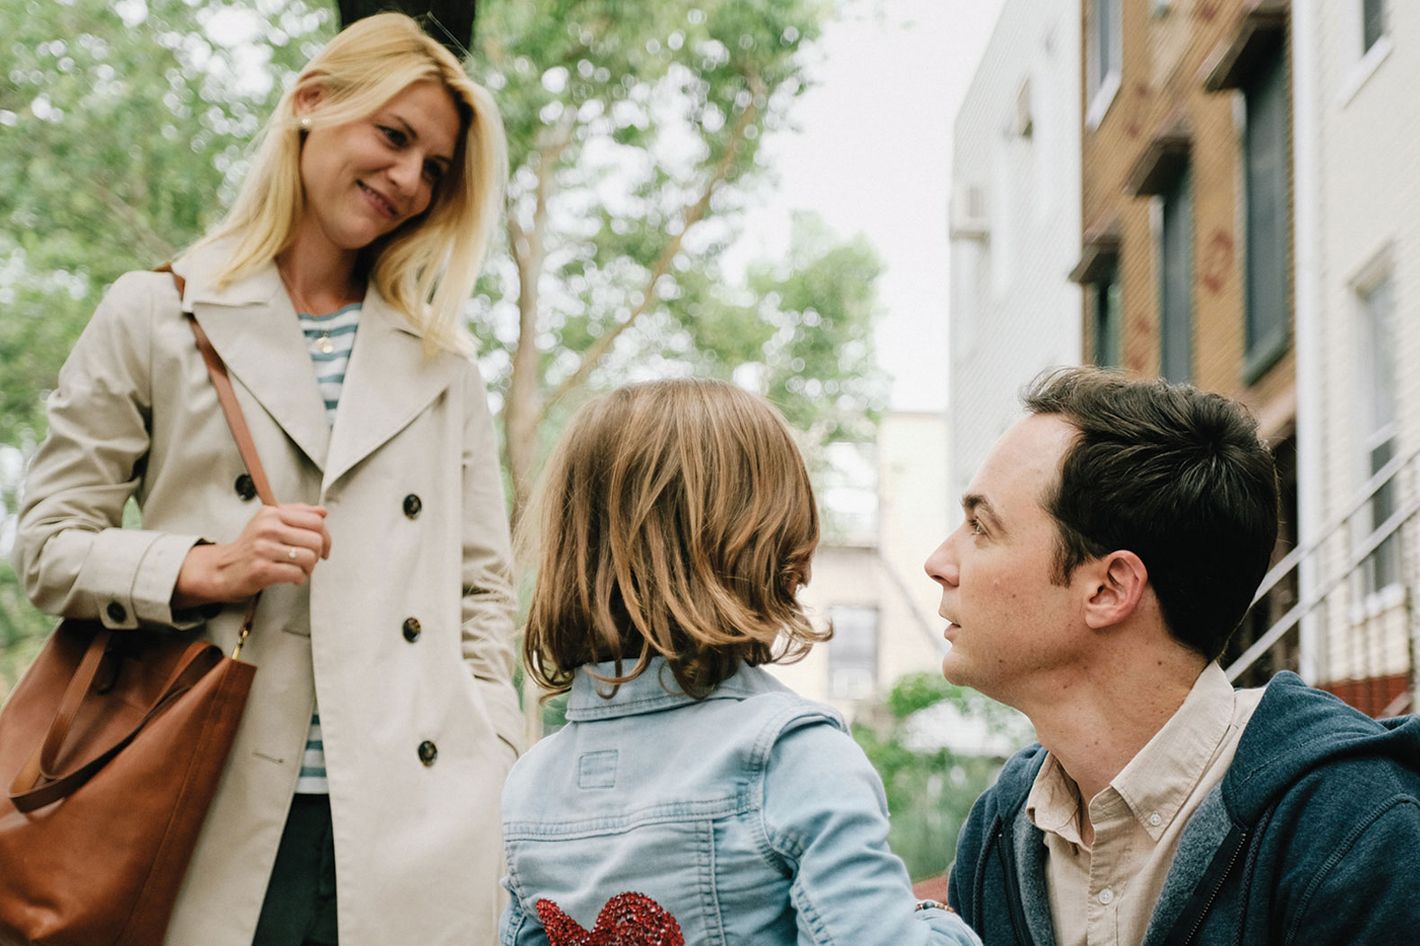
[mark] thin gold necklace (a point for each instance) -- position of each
(323, 343)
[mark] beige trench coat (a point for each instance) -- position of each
(417, 846)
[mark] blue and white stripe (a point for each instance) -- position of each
(330, 339)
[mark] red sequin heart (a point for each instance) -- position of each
(628, 919)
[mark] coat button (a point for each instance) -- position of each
(116, 612)
(412, 630)
(428, 752)
(412, 505)
(244, 486)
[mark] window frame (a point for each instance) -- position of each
(841, 617)
(1377, 416)
(1104, 66)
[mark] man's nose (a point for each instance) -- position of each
(941, 565)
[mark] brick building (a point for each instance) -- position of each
(1186, 252)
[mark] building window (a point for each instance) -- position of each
(1373, 23)
(1106, 56)
(853, 652)
(1378, 427)
(1176, 280)
(1106, 318)
(1266, 329)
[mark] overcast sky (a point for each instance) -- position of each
(873, 156)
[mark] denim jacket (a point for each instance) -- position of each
(751, 816)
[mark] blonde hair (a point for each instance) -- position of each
(427, 268)
(675, 518)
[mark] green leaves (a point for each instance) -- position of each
(930, 788)
(122, 132)
(635, 130)
(124, 126)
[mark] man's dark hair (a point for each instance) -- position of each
(1173, 474)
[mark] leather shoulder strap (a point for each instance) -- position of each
(231, 409)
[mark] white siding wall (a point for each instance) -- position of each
(1014, 312)
(1368, 215)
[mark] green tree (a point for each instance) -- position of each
(634, 129)
(123, 127)
(930, 788)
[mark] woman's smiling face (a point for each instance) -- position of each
(365, 178)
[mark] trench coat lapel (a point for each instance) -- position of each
(253, 326)
(388, 383)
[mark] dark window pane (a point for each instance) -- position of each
(1176, 282)
(1108, 352)
(1384, 564)
(1265, 157)
(1372, 22)
(1106, 16)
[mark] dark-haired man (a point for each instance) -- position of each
(1113, 540)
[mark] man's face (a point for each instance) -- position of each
(1011, 624)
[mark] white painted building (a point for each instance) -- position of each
(1356, 68)
(868, 577)
(1015, 223)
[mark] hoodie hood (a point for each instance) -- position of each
(1297, 729)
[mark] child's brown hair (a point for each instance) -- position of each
(676, 519)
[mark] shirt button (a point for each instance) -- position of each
(428, 752)
(1105, 896)
(412, 630)
(1156, 819)
(116, 612)
(244, 487)
(412, 506)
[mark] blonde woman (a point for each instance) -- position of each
(691, 798)
(360, 801)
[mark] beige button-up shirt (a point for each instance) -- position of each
(1104, 894)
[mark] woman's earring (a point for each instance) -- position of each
(305, 123)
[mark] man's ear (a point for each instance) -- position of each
(1117, 583)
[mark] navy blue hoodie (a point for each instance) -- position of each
(1313, 836)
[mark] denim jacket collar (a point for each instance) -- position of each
(654, 690)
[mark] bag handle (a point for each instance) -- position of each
(34, 786)
(232, 410)
(237, 423)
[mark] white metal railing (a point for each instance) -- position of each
(1355, 560)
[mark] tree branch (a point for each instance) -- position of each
(689, 218)
(131, 222)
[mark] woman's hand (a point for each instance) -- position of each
(281, 544)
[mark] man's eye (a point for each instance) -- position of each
(975, 525)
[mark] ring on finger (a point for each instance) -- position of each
(291, 553)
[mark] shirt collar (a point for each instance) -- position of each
(1053, 803)
(1160, 777)
(655, 689)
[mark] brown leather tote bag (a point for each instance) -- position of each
(111, 749)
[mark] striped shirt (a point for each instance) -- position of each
(330, 339)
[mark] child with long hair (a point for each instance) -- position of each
(690, 798)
